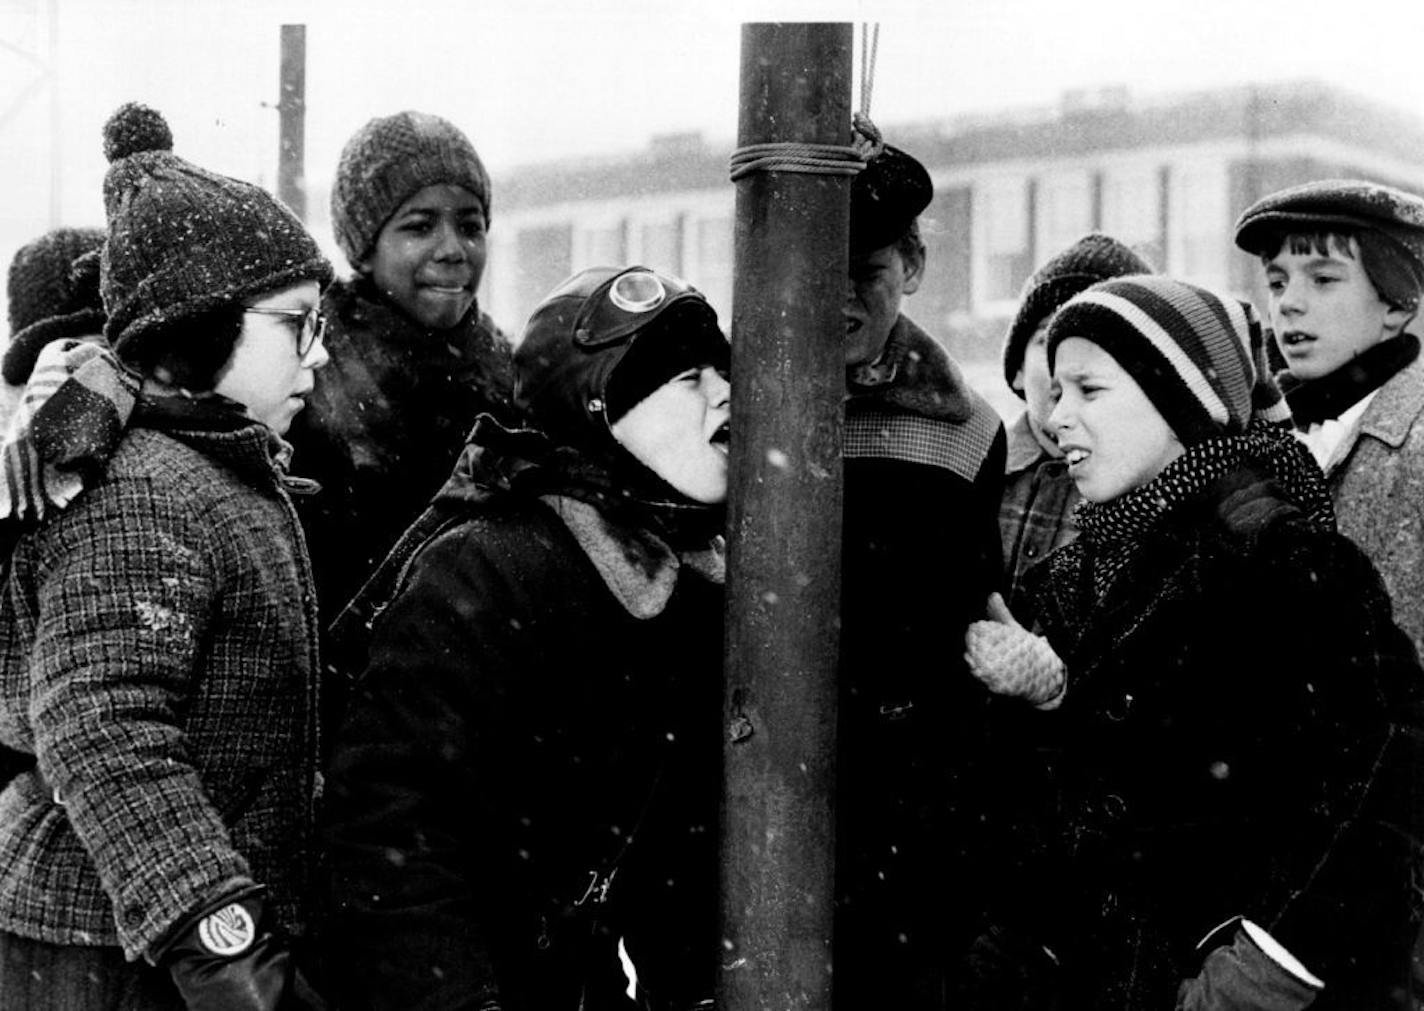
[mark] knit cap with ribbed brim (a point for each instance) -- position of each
(52, 292)
(1192, 352)
(183, 240)
(388, 161)
(1093, 258)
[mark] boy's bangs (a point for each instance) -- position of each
(1319, 243)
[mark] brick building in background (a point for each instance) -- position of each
(1167, 175)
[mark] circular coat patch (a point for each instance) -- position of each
(227, 932)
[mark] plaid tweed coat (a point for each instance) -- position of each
(158, 655)
(1376, 479)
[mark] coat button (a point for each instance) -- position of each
(1119, 708)
(133, 917)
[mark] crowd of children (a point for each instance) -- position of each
(1175, 764)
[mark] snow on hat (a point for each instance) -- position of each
(53, 292)
(1192, 352)
(1093, 258)
(389, 160)
(885, 199)
(183, 240)
(1345, 205)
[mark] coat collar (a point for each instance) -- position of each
(1390, 416)
(1025, 448)
(639, 569)
(913, 374)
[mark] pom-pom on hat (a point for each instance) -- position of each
(52, 293)
(389, 160)
(569, 364)
(885, 199)
(1191, 351)
(1093, 258)
(183, 240)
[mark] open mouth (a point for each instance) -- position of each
(852, 324)
(722, 437)
(1294, 338)
(1075, 455)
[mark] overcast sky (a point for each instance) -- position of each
(530, 80)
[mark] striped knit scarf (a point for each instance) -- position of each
(1113, 531)
(69, 421)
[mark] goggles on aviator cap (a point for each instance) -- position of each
(626, 303)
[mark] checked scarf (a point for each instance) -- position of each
(68, 423)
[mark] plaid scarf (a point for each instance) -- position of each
(1114, 530)
(69, 421)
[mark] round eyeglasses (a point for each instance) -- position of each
(313, 324)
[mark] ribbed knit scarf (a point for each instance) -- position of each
(1113, 531)
(1330, 396)
(71, 417)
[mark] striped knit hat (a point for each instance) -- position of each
(1093, 258)
(1197, 356)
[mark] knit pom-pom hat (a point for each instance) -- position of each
(52, 293)
(183, 240)
(1191, 351)
(389, 160)
(1093, 258)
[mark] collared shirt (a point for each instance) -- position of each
(1324, 437)
(1036, 512)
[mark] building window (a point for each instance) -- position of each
(1004, 213)
(1132, 211)
(660, 245)
(711, 271)
(1065, 212)
(1198, 225)
(543, 256)
(600, 245)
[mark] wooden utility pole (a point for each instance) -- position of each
(292, 120)
(783, 605)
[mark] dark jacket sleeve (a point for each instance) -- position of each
(1345, 745)
(413, 897)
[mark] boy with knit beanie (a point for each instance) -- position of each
(1234, 825)
(1344, 265)
(52, 293)
(413, 358)
(159, 663)
(1036, 513)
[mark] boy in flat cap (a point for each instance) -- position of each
(1344, 264)
(924, 461)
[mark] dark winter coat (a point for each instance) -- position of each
(1235, 742)
(385, 425)
(158, 654)
(541, 706)
(924, 464)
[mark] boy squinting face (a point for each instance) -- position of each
(1111, 435)
(1324, 308)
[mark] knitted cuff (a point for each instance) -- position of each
(1013, 661)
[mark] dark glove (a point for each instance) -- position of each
(1006, 971)
(222, 959)
(1241, 975)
